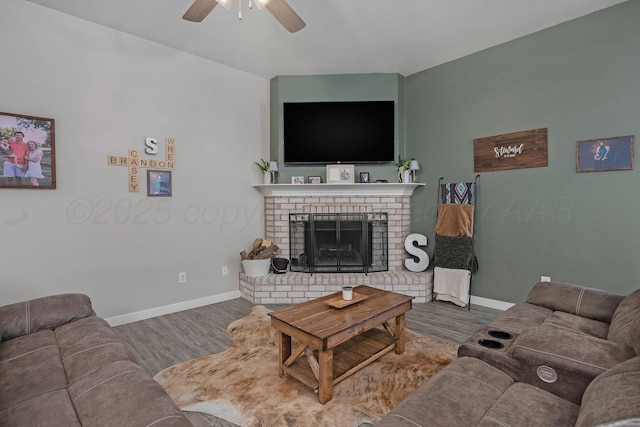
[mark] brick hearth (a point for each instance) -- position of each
(282, 199)
(291, 288)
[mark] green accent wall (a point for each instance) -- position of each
(581, 80)
(320, 88)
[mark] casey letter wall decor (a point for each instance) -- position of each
(134, 162)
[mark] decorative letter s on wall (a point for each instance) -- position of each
(152, 146)
(423, 257)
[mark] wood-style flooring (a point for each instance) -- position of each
(166, 340)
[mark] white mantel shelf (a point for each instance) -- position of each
(378, 189)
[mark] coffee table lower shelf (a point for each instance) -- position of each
(348, 358)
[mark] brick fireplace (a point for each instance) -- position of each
(281, 200)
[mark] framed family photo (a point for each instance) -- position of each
(340, 174)
(159, 183)
(605, 154)
(27, 152)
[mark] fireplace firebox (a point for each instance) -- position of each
(338, 242)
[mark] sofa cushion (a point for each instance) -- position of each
(87, 345)
(49, 409)
(524, 405)
(520, 317)
(625, 325)
(586, 302)
(613, 396)
(458, 395)
(584, 325)
(29, 366)
(42, 313)
(123, 394)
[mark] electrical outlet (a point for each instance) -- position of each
(545, 278)
(225, 270)
(182, 277)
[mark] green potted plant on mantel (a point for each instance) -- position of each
(265, 167)
(404, 170)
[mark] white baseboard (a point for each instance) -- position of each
(491, 303)
(194, 303)
(171, 308)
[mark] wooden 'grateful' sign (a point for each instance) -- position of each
(518, 150)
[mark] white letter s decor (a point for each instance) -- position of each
(423, 257)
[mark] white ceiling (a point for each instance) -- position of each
(341, 36)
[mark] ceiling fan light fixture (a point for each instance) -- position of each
(280, 10)
(225, 3)
(261, 3)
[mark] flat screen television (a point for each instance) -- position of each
(339, 132)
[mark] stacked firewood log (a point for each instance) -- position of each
(262, 249)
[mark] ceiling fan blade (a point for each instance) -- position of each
(199, 10)
(289, 19)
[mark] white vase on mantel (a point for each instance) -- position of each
(406, 177)
(267, 177)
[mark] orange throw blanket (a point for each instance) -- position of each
(455, 220)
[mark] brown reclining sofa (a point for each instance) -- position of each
(60, 365)
(568, 356)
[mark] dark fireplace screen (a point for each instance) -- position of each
(338, 242)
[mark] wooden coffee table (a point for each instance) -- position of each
(334, 343)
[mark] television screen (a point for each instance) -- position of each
(345, 132)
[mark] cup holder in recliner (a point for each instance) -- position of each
(490, 344)
(501, 335)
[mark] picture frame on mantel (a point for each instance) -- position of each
(33, 140)
(605, 154)
(340, 174)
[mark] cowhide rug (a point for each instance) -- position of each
(241, 384)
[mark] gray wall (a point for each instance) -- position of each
(322, 88)
(580, 79)
(107, 92)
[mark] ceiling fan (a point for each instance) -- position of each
(280, 9)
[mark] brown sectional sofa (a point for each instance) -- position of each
(61, 365)
(567, 356)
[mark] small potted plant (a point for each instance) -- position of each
(265, 167)
(404, 170)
